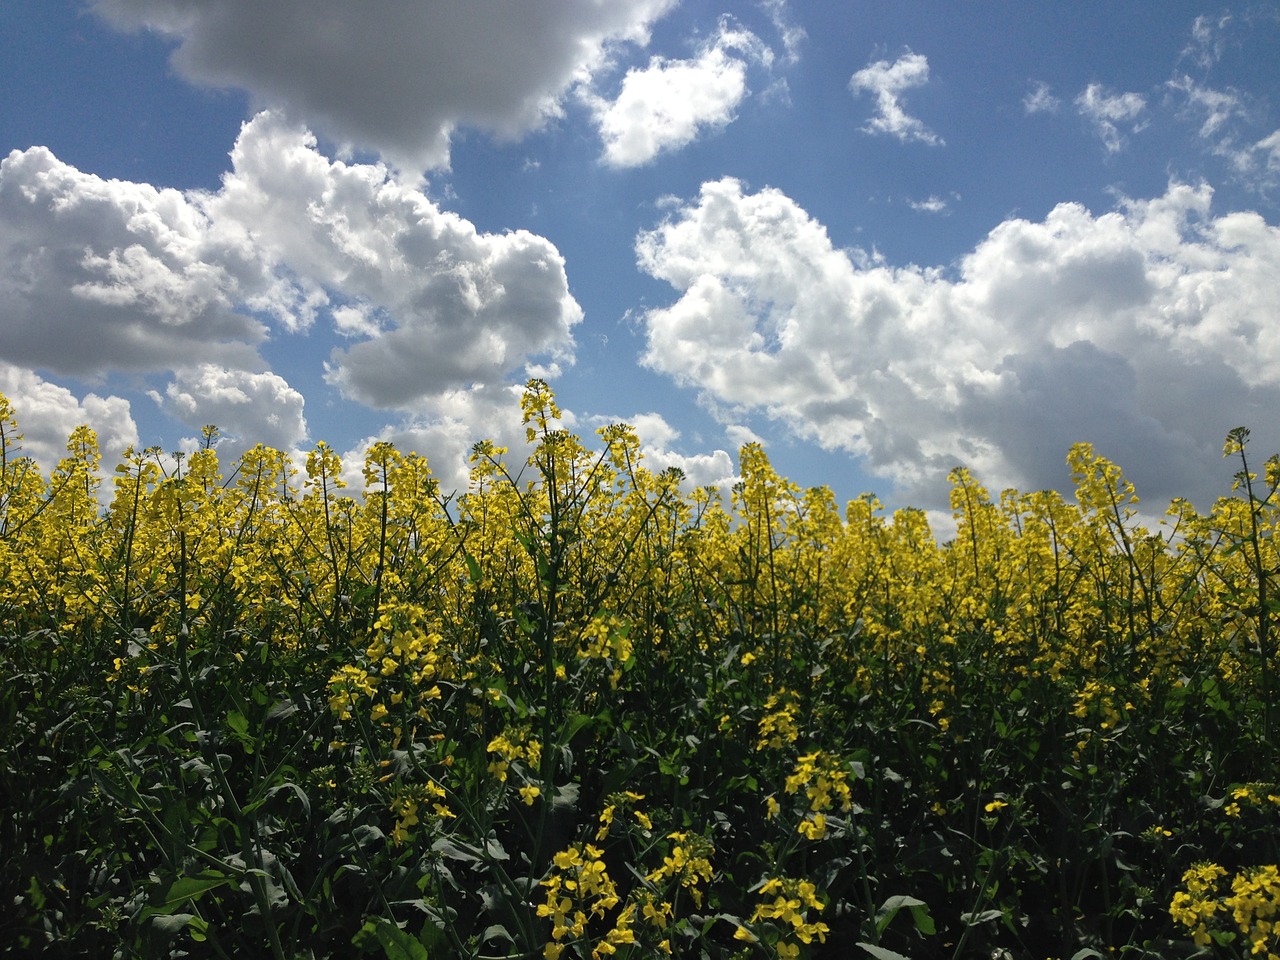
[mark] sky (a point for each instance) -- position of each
(883, 238)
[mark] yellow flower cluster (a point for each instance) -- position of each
(513, 745)
(1029, 576)
(579, 891)
(778, 726)
(785, 912)
(825, 781)
(1253, 904)
(347, 685)
(407, 804)
(689, 863)
(547, 598)
(1258, 796)
(626, 800)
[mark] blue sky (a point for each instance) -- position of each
(883, 239)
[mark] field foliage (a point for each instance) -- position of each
(578, 712)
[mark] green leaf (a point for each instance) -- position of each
(285, 708)
(297, 792)
(573, 725)
(236, 720)
(972, 919)
(173, 924)
(455, 851)
(496, 932)
(923, 920)
(183, 890)
(882, 953)
(919, 913)
(397, 944)
(565, 798)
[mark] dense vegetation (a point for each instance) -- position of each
(576, 712)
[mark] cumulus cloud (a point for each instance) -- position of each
(432, 303)
(247, 408)
(1108, 112)
(667, 104)
(1145, 330)
(395, 77)
(48, 413)
(98, 276)
(101, 274)
(887, 82)
(658, 439)
(447, 431)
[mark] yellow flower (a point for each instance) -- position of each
(530, 793)
(813, 827)
(657, 915)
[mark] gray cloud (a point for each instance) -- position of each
(47, 414)
(1144, 330)
(248, 408)
(395, 77)
(432, 304)
(101, 274)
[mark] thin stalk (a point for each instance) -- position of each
(248, 834)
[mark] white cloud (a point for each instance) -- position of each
(1229, 123)
(740, 435)
(1146, 330)
(669, 103)
(48, 413)
(1224, 117)
(98, 276)
(101, 274)
(1107, 112)
(792, 36)
(447, 430)
(1218, 107)
(931, 204)
(395, 77)
(1040, 100)
(439, 304)
(887, 82)
(247, 408)
(1208, 40)
(1268, 148)
(657, 439)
